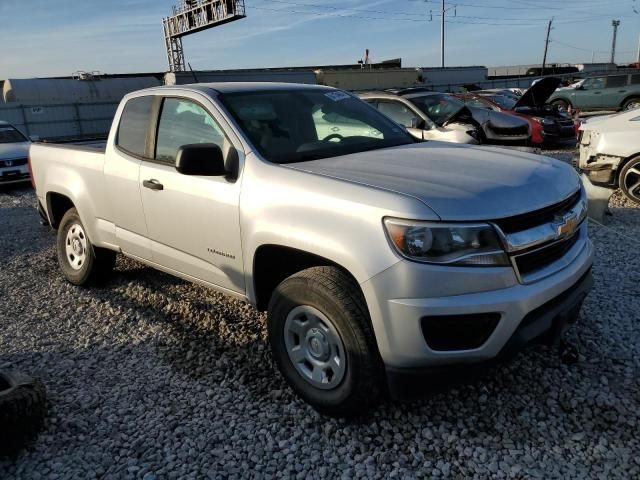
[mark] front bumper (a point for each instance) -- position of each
(545, 323)
(9, 175)
(402, 296)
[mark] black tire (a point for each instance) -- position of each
(97, 263)
(23, 407)
(630, 102)
(628, 178)
(333, 293)
(562, 105)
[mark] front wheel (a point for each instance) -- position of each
(562, 105)
(630, 180)
(81, 263)
(323, 343)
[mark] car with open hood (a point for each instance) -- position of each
(425, 108)
(14, 153)
(549, 124)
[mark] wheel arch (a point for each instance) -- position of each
(57, 205)
(272, 263)
(629, 97)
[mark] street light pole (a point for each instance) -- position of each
(442, 12)
(615, 24)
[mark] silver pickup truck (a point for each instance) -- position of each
(380, 259)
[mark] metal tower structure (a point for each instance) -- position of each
(191, 16)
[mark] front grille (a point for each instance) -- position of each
(538, 217)
(540, 258)
(511, 131)
(14, 162)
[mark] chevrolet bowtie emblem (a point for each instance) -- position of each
(566, 224)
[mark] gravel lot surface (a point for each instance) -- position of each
(151, 377)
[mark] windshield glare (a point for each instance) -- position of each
(296, 125)
(9, 134)
(438, 107)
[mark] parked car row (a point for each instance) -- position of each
(498, 116)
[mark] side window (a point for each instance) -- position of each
(635, 79)
(134, 125)
(593, 83)
(183, 122)
(397, 112)
(617, 81)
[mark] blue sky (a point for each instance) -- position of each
(58, 37)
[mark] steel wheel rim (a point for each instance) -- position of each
(632, 182)
(76, 246)
(315, 347)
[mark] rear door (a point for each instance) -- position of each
(616, 90)
(193, 221)
(125, 152)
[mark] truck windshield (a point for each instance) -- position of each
(288, 126)
(8, 134)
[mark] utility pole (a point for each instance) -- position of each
(546, 47)
(615, 24)
(638, 59)
(442, 12)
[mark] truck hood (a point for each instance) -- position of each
(14, 150)
(538, 94)
(457, 182)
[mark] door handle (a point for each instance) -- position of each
(152, 185)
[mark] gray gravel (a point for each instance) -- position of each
(153, 378)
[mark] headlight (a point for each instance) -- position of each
(453, 244)
(545, 121)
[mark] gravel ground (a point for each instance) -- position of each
(151, 377)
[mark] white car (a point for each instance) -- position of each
(610, 152)
(14, 153)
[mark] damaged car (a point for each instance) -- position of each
(549, 124)
(610, 152)
(449, 113)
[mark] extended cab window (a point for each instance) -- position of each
(183, 122)
(134, 124)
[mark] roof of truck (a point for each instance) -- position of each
(238, 87)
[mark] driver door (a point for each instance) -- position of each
(193, 221)
(590, 95)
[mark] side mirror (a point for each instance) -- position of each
(34, 138)
(205, 159)
(417, 123)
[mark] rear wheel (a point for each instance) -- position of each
(81, 262)
(631, 103)
(323, 343)
(630, 180)
(562, 105)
